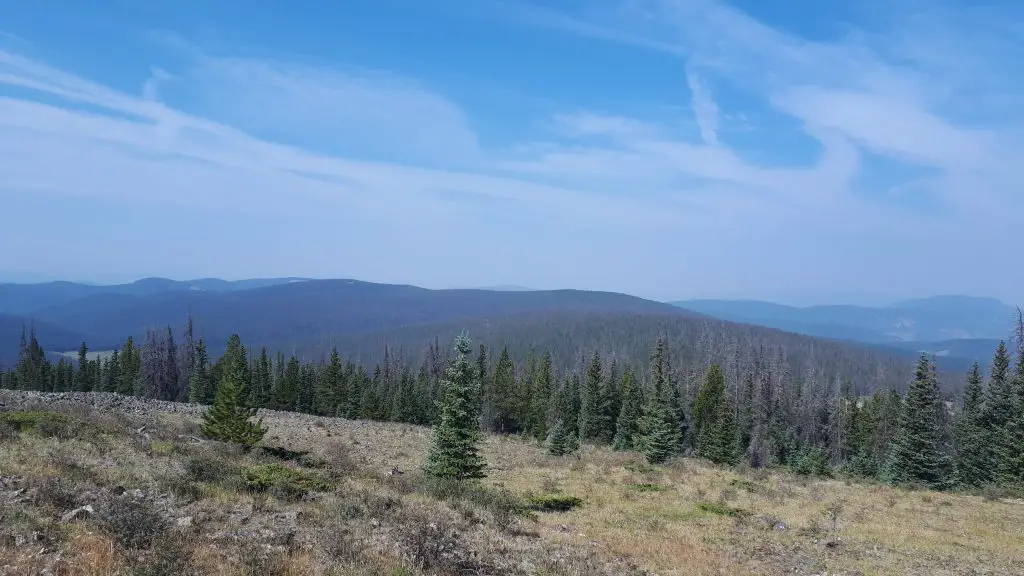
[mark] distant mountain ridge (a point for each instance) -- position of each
(951, 325)
(28, 298)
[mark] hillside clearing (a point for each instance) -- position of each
(337, 507)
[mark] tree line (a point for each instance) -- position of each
(762, 416)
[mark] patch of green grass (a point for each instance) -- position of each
(719, 509)
(282, 481)
(744, 484)
(49, 424)
(161, 447)
(639, 468)
(647, 487)
(554, 503)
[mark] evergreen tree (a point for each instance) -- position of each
(112, 374)
(1010, 450)
(541, 398)
(83, 377)
(287, 391)
(262, 381)
(916, 456)
(707, 407)
(719, 438)
(562, 440)
(200, 387)
(657, 439)
(628, 422)
(453, 453)
(329, 392)
(971, 462)
(128, 376)
(228, 419)
(594, 400)
(500, 404)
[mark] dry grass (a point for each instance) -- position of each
(683, 518)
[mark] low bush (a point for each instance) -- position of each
(721, 509)
(134, 524)
(554, 503)
(283, 482)
(646, 487)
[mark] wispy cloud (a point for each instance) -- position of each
(400, 159)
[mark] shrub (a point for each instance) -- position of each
(48, 424)
(211, 469)
(170, 557)
(163, 448)
(720, 509)
(812, 462)
(646, 487)
(134, 524)
(283, 482)
(554, 503)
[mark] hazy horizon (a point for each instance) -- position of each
(799, 153)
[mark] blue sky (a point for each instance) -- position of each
(801, 151)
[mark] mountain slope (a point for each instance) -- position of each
(309, 309)
(52, 337)
(29, 298)
(924, 320)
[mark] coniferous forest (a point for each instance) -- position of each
(757, 414)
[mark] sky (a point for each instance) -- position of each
(802, 152)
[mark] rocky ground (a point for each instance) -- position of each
(103, 484)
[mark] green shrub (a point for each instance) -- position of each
(210, 469)
(554, 503)
(811, 462)
(161, 447)
(721, 509)
(646, 487)
(48, 424)
(283, 482)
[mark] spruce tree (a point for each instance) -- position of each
(1011, 449)
(500, 396)
(200, 387)
(228, 419)
(541, 398)
(328, 392)
(657, 439)
(83, 377)
(916, 456)
(562, 440)
(707, 407)
(453, 452)
(593, 419)
(628, 422)
(719, 437)
(972, 466)
(130, 367)
(262, 381)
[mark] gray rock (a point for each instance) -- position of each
(76, 513)
(184, 522)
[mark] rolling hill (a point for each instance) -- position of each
(26, 299)
(310, 317)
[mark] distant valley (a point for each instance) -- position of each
(947, 326)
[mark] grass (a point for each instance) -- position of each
(319, 500)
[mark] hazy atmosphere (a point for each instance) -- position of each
(664, 149)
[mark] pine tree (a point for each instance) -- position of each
(200, 388)
(657, 439)
(562, 440)
(228, 419)
(971, 463)
(541, 398)
(328, 392)
(627, 424)
(500, 395)
(262, 381)
(1010, 451)
(594, 400)
(707, 408)
(453, 453)
(130, 368)
(83, 377)
(719, 442)
(916, 456)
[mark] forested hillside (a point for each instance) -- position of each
(722, 391)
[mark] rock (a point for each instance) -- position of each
(780, 527)
(77, 512)
(184, 522)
